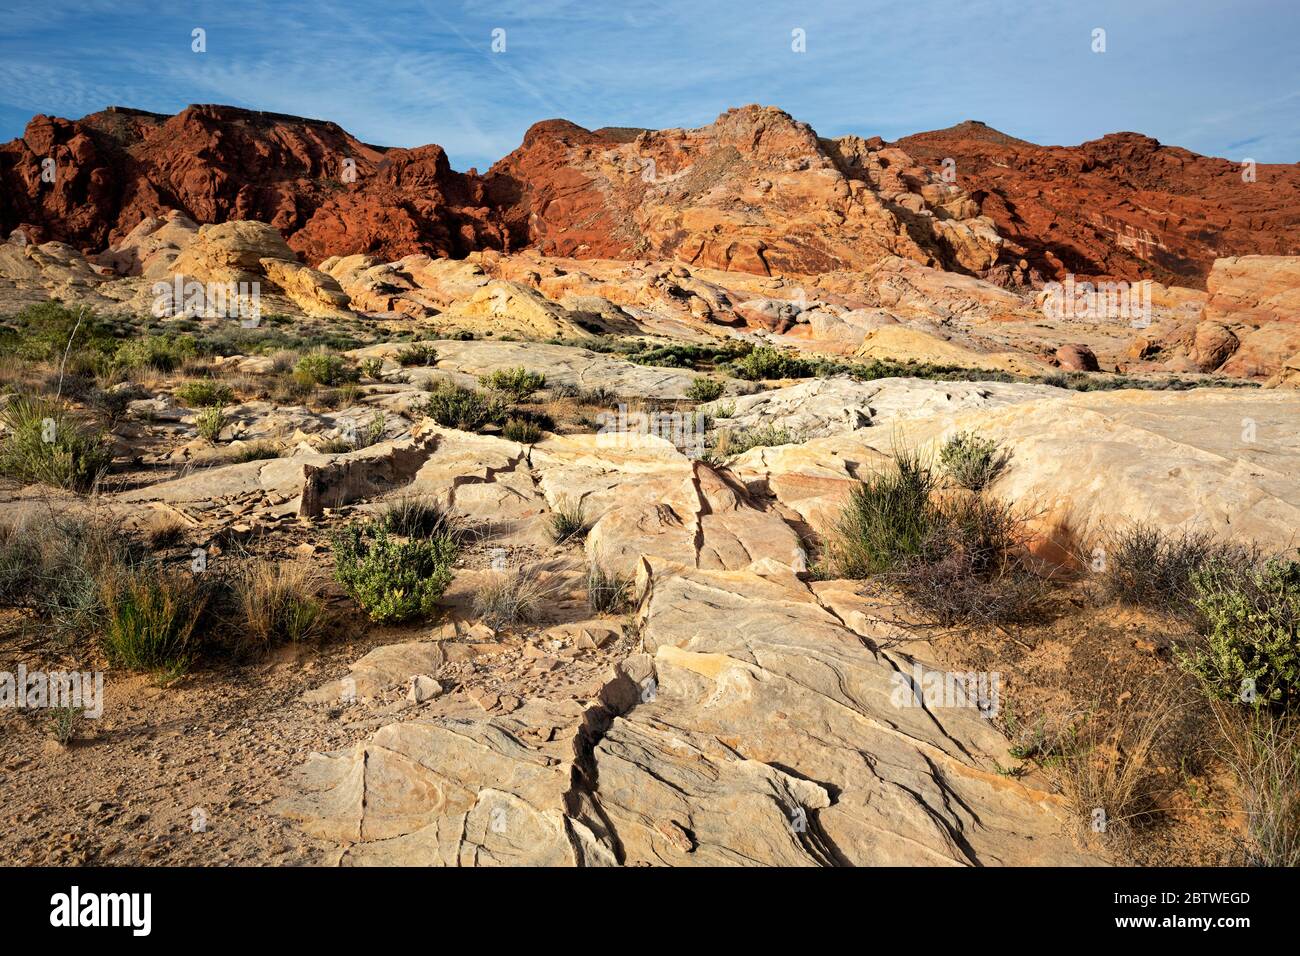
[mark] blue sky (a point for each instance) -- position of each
(1221, 78)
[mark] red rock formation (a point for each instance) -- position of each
(1122, 206)
(217, 163)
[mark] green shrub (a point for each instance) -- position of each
(456, 407)
(887, 521)
(521, 430)
(163, 353)
(765, 363)
(324, 368)
(740, 440)
(418, 353)
(393, 580)
(412, 517)
(372, 368)
(515, 384)
(972, 462)
(202, 392)
(45, 333)
(705, 390)
(43, 443)
(1251, 649)
(568, 520)
(209, 422)
(150, 616)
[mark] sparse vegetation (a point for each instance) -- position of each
(514, 384)
(705, 390)
(43, 443)
(393, 580)
(973, 462)
(204, 392)
(454, 406)
(417, 353)
(568, 520)
(150, 616)
(278, 601)
(513, 596)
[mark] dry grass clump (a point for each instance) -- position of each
(1263, 750)
(568, 520)
(607, 591)
(277, 602)
(513, 596)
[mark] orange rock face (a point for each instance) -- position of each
(1122, 206)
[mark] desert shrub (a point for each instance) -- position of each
(511, 597)
(1146, 566)
(53, 565)
(705, 390)
(522, 430)
(514, 384)
(888, 520)
(607, 591)
(278, 602)
(600, 396)
(150, 618)
(371, 368)
(204, 392)
(162, 353)
(411, 517)
(209, 422)
(464, 408)
(972, 462)
(43, 443)
(254, 451)
(1250, 650)
(683, 355)
(1263, 750)
(739, 440)
(48, 331)
(418, 353)
(568, 520)
(1108, 770)
(64, 723)
(393, 580)
(371, 433)
(765, 362)
(324, 368)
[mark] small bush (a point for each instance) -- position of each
(973, 462)
(150, 615)
(607, 592)
(418, 353)
(512, 597)
(411, 517)
(888, 520)
(254, 451)
(1251, 648)
(463, 408)
(568, 520)
(705, 390)
(324, 368)
(515, 384)
(204, 392)
(161, 353)
(1145, 566)
(740, 440)
(371, 368)
(278, 602)
(521, 430)
(765, 363)
(43, 443)
(209, 422)
(393, 580)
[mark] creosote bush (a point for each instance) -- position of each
(43, 443)
(393, 580)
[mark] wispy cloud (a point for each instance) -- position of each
(1195, 73)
